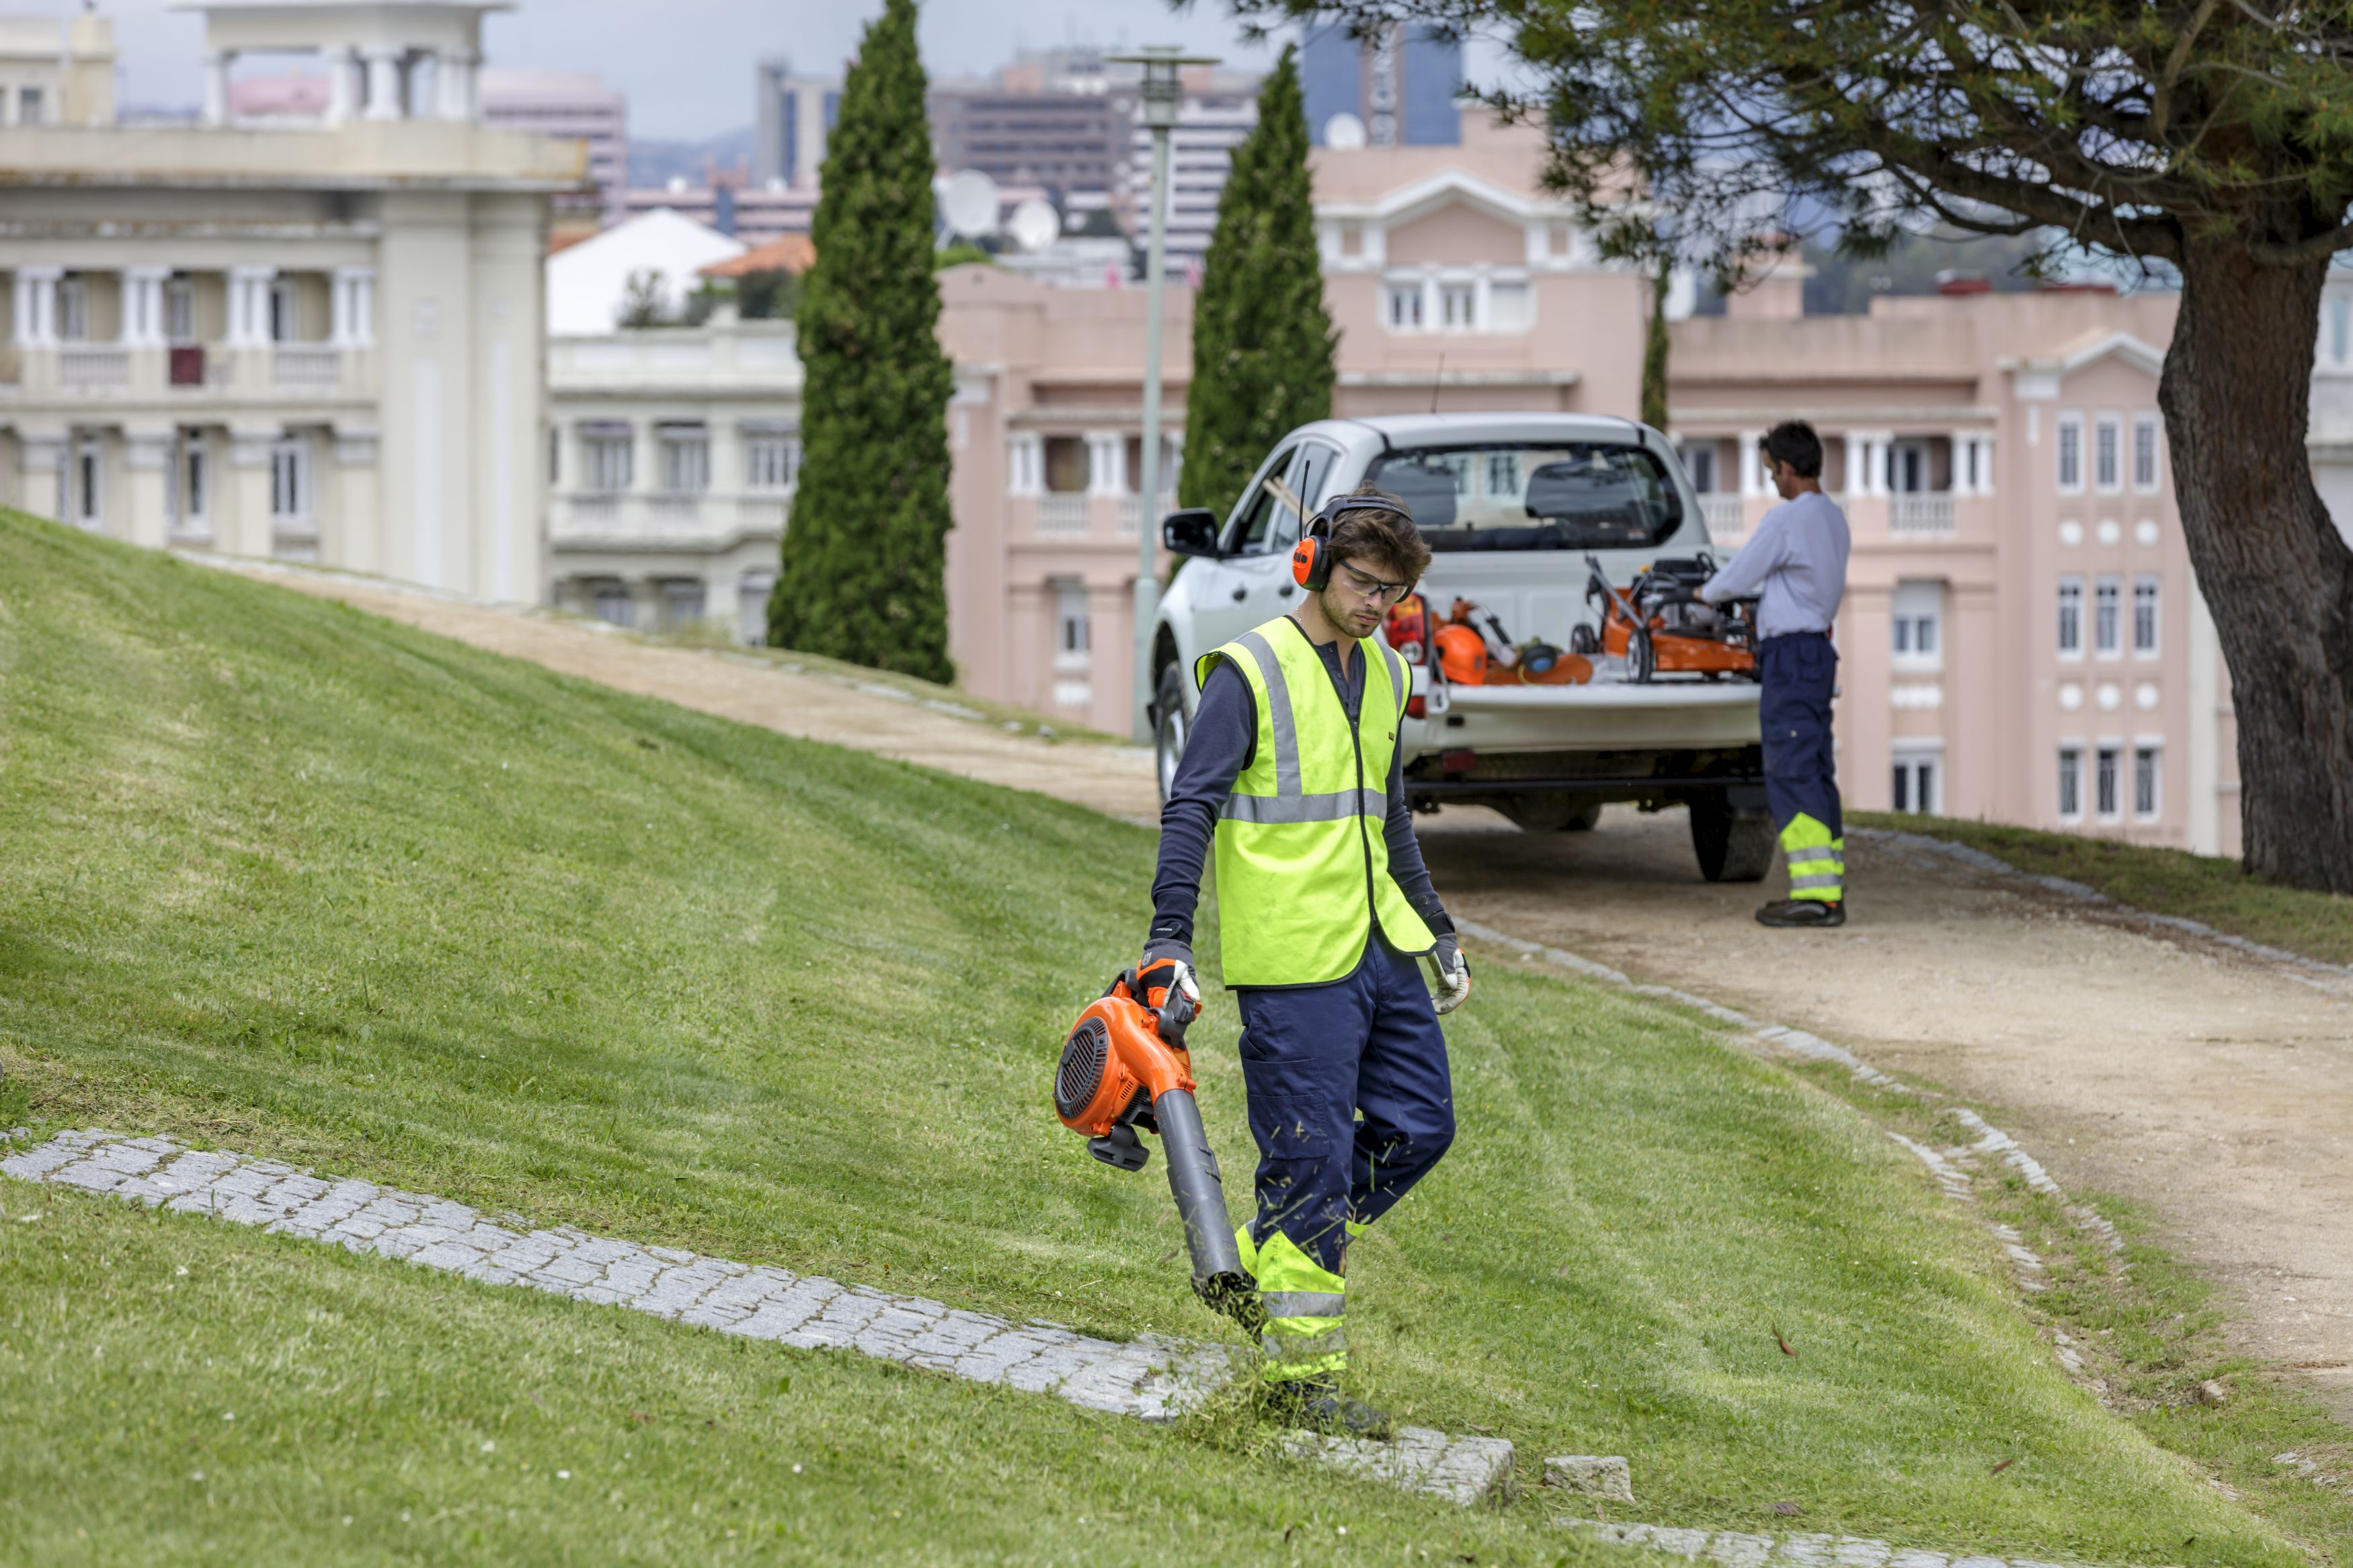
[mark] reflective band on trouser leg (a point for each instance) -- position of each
(1306, 1334)
(1816, 860)
(1248, 1249)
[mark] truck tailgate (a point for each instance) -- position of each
(1607, 713)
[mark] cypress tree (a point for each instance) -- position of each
(863, 566)
(1263, 342)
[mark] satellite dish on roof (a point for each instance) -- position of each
(1035, 225)
(1343, 132)
(969, 203)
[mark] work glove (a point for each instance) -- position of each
(1168, 962)
(1449, 972)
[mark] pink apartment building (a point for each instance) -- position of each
(1451, 280)
(2022, 639)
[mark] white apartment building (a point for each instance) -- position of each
(56, 72)
(319, 340)
(673, 459)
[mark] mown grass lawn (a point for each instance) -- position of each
(282, 876)
(2205, 887)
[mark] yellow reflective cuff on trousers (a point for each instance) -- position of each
(1816, 860)
(1306, 1329)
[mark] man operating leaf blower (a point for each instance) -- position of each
(1324, 907)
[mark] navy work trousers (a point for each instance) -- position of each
(1313, 1058)
(1799, 671)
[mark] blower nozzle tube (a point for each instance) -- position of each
(1218, 1278)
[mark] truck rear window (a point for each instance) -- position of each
(1563, 495)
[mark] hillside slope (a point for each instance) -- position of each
(287, 877)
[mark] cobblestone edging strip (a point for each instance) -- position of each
(1152, 1377)
(1734, 1550)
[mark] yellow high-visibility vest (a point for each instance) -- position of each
(1303, 867)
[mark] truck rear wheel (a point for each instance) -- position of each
(1169, 730)
(1733, 846)
(1553, 813)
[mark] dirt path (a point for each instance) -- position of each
(866, 716)
(2213, 1089)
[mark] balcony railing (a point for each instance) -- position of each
(306, 367)
(763, 514)
(657, 518)
(1727, 515)
(93, 367)
(1062, 515)
(1915, 515)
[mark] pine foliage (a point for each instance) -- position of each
(1263, 342)
(863, 573)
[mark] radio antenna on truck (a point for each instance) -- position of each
(1438, 381)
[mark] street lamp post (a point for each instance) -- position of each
(1163, 94)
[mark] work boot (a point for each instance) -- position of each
(1800, 914)
(1316, 1403)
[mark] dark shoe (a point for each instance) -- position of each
(1317, 1403)
(1798, 914)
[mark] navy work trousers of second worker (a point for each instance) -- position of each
(1315, 1055)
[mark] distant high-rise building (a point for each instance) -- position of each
(568, 103)
(794, 114)
(1075, 144)
(1395, 90)
(1219, 110)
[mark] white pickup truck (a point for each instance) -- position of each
(1512, 505)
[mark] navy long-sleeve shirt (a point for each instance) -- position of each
(1223, 739)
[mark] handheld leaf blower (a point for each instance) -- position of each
(1124, 1067)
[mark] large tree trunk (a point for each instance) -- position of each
(2275, 573)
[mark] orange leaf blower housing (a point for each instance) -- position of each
(1659, 625)
(1124, 1066)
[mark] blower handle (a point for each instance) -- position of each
(1172, 1011)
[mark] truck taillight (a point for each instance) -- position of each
(1417, 707)
(1409, 629)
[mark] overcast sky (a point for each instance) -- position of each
(686, 65)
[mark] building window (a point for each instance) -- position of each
(607, 457)
(290, 480)
(555, 456)
(89, 482)
(2107, 597)
(1699, 462)
(2145, 617)
(2145, 776)
(179, 311)
(685, 459)
(2071, 617)
(1073, 631)
(682, 601)
(2144, 451)
(1916, 783)
(1507, 306)
(195, 481)
(2107, 454)
(771, 462)
(1067, 469)
(1919, 614)
(30, 106)
(1405, 307)
(1458, 306)
(1503, 475)
(285, 315)
(752, 606)
(2071, 452)
(611, 600)
(2070, 783)
(2103, 784)
(73, 311)
(1908, 467)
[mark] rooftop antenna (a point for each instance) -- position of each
(1438, 381)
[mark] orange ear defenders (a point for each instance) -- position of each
(1310, 558)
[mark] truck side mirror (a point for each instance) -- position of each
(1193, 531)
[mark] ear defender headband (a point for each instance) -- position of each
(1310, 558)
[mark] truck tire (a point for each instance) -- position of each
(1169, 730)
(1732, 846)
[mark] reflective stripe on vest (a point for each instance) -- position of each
(1303, 862)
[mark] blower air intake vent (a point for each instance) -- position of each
(1081, 1073)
